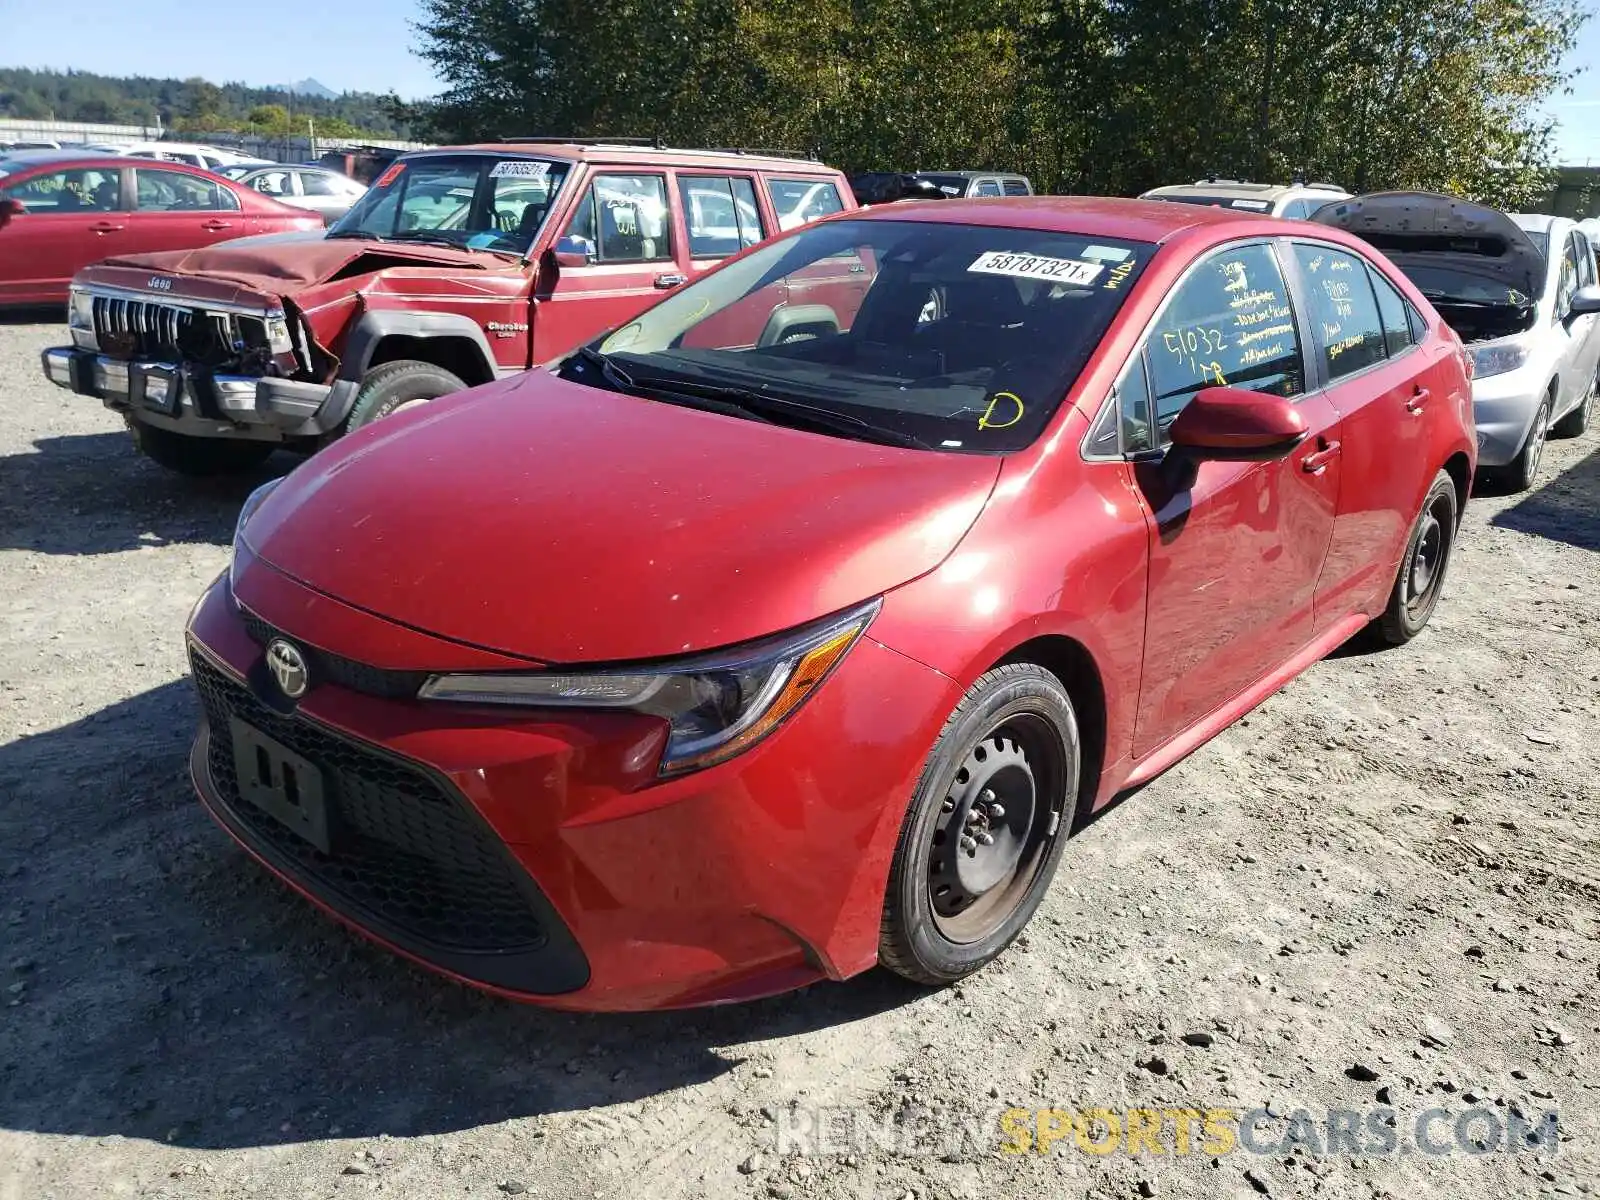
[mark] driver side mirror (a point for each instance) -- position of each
(10, 207)
(572, 252)
(1234, 425)
(1585, 300)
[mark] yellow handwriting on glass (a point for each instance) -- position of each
(1007, 404)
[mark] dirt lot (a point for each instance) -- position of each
(1381, 889)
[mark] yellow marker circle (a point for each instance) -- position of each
(987, 422)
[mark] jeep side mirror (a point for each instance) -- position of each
(572, 252)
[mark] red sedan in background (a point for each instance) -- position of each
(61, 211)
(689, 669)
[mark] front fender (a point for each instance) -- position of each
(362, 341)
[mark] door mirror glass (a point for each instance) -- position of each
(573, 251)
(1234, 425)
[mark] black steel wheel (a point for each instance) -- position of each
(985, 830)
(1421, 578)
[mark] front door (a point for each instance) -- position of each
(176, 210)
(1235, 548)
(623, 223)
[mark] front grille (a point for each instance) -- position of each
(126, 327)
(409, 858)
(323, 667)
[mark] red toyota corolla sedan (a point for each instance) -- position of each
(60, 211)
(704, 664)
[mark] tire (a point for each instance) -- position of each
(1422, 568)
(199, 456)
(1520, 473)
(1577, 421)
(394, 384)
(951, 907)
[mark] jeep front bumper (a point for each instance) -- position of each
(201, 403)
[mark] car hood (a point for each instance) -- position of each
(563, 523)
(1423, 228)
(273, 265)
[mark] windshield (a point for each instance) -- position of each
(477, 201)
(963, 338)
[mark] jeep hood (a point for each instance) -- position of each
(1432, 237)
(271, 266)
(563, 523)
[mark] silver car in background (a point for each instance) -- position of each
(317, 189)
(1520, 290)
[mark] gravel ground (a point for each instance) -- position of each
(1382, 889)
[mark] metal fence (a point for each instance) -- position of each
(288, 149)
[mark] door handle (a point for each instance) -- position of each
(106, 227)
(213, 225)
(1317, 461)
(1418, 401)
(670, 281)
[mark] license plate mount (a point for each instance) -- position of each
(282, 784)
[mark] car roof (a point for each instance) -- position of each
(1092, 216)
(621, 152)
(15, 164)
(15, 160)
(1536, 222)
(1244, 189)
(976, 174)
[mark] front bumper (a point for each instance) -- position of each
(753, 877)
(1503, 407)
(201, 403)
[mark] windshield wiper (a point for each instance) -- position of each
(428, 236)
(664, 391)
(768, 406)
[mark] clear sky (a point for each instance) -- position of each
(347, 45)
(365, 46)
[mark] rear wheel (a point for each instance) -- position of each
(199, 456)
(394, 385)
(985, 829)
(1422, 570)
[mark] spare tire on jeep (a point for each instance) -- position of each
(396, 384)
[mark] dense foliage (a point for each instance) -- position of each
(1105, 96)
(186, 105)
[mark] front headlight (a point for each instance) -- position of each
(80, 319)
(1496, 358)
(716, 706)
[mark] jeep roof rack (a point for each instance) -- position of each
(561, 139)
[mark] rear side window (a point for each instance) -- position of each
(1399, 331)
(797, 201)
(1344, 314)
(96, 189)
(1229, 324)
(1015, 187)
(625, 219)
(721, 213)
(172, 191)
(987, 187)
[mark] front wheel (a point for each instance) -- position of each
(1422, 569)
(1520, 473)
(394, 385)
(199, 456)
(985, 829)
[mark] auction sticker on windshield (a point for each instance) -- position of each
(1032, 266)
(520, 168)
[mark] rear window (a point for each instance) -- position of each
(798, 201)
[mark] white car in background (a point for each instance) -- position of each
(208, 158)
(1292, 201)
(1520, 290)
(317, 189)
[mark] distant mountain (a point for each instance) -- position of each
(306, 87)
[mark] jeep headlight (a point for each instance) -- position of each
(716, 706)
(278, 339)
(80, 319)
(1496, 358)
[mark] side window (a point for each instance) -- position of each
(797, 201)
(273, 183)
(97, 189)
(1016, 187)
(721, 214)
(172, 191)
(1344, 314)
(1585, 260)
(987, 187)
(624, 218)
(312, 184)
(1568, 282)
(1394, 313)
(1229, 324)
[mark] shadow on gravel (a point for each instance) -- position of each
(173, 991)
(37, 314)
(1567, 509)
(94, 494)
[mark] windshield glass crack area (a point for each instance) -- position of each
(909, 333)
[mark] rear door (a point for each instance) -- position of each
(1366, 361)
(72, 217)
(1236, 549)
(623, 223)
(177, 210)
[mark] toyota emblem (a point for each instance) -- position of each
(288, 667)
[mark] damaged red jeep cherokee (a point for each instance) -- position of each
(690, 668)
